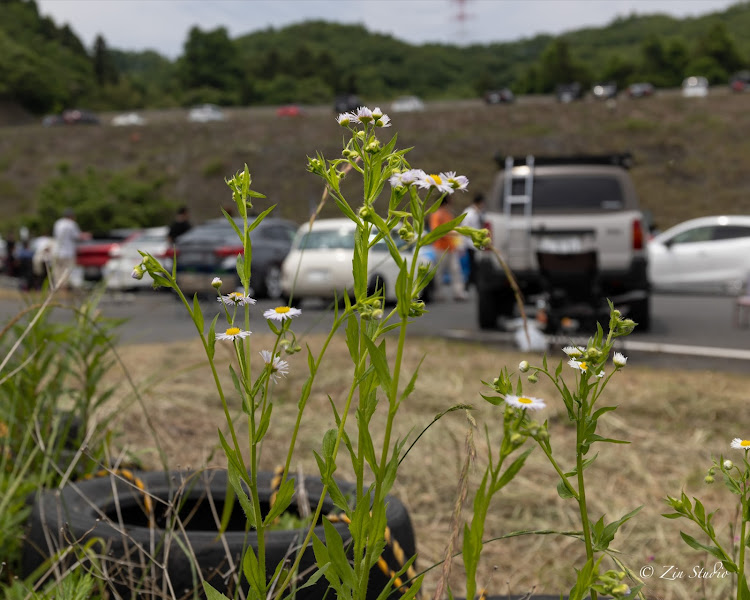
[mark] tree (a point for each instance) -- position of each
(104, 65)
(210, 60)
(719, 46)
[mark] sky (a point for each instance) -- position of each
(163, 25)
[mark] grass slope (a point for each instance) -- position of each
(693, 155)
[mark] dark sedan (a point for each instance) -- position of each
(210, 250)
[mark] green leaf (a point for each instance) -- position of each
(412, 382)
(608, 532)
(744, 591)
(695, 544)
(251, 570)
(511, 471)
(378, 358)
(212, 338)
(672, 515)
(265, 422)
(211, 593)
(441, 230)
(563, 491)
(197, 313)
(235, 479)
(283, 500)
(337, 555)
(259, 219)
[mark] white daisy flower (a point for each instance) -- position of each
(457, 182)
(406, 178)
(233, 333)
(527, 402)
(740, 444)
(345, 119)
(437, 182)
(383, 121)
(573, 351)
(619, 359)
(363, 115)
(236, 299)
(278, 367)
(584, 367)
(281, 313)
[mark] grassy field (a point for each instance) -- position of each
(676, 420)
(692, 155)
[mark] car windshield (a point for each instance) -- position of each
(342, 239)
(584, 194)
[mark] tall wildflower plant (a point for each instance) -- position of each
(592, 370)
(736, 478)
(395, 204)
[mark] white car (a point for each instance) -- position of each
(407, 104)
(205, 113)
(128, 119)
(123, 257)
(319, 265)
(707, 254)
(695, 87)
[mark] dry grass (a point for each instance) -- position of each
(676, 420)
(692, 154)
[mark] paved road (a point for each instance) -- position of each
(697, 331)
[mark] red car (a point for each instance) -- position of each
(291, 110)
(93, 254)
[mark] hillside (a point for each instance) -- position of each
(692, 155)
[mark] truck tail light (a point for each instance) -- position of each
(488, 226)
(170, 252)
(225, 251)
(637, 235)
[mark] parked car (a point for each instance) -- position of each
(604, 91)
(74, 116)
(695, 87)
(567, 92)
(210, 250)
(289, 110)
(707, 254)
(640, 90)
(319, 265)
(740, 81)
(346, 103)
(128, 119)
(93, 254)
(117, 271)
(501, 96)
(205, 113)
(407, 104)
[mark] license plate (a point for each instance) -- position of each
(317, 276)
(562, 245)
(194, 282)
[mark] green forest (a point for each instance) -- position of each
(46, 68)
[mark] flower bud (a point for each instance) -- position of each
(523, 366)
(373, 146)
(216, 283)
(377, 113)
(709, 479)
(377, 313)
(137, 272)
(533, 378)
(365, 213)
(728, 464)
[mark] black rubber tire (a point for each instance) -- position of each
(640, 312)
(87, 509)
(270, 287)
(487, 310)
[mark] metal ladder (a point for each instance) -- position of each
(518, 226)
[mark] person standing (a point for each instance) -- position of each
(180, 225)
(65, 232)
(474, 218)
(447, 248)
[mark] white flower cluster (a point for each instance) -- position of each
(364, 115)
(445, 183)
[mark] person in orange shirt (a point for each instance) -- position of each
(448, 249)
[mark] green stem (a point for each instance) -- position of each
(580, 423)
(743, 527)
(557, 468)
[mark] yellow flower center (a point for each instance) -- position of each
(233, 331)
(436, 179)
(526, 401)
(745, 443)
(235, 295)
(282, 309)
(584, 366)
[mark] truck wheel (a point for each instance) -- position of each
(640, 312)
(487, 311)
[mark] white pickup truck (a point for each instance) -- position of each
(563, 207)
